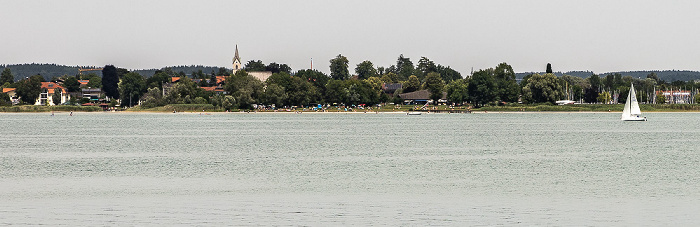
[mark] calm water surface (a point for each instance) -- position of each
(349, 169)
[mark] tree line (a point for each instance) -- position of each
(492, 86)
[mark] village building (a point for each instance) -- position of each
(47, 92)
(677, 97)
(390, 88)
(91, 93)
(420, 97)
(12, 93)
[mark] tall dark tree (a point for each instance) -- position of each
(404, 67)
(110, 81)
(365, 70)
(549, 68)
(424, 67)
(339, 68)
(6, 76)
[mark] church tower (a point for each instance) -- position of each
(236, 62)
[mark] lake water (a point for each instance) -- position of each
(96, 169)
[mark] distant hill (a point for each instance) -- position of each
(666, 75)
(52, 70)
(188, 70)
(49, 71)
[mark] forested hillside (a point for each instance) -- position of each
(666, 75)
(49, 71)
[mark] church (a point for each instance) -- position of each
(262, 76)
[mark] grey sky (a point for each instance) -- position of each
(573, 35)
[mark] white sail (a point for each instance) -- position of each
(631, 110)
(634, 106)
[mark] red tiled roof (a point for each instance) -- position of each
(5, 90)
(174, 79)
(220, 79)
(50, 86)
(83, 82)
(209, 88)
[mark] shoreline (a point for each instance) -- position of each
(336, 112)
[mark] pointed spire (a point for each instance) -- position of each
(236, 55)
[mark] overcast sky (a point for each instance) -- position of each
(601, 36)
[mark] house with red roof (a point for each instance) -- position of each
(47, 91)
(12, 93)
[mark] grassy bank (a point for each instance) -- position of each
(594, 108)
(32, 108)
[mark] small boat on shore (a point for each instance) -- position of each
(413, 113)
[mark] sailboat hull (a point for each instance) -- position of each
(634, 118)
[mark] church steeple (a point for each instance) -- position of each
(236, 61)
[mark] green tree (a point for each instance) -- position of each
(110, 81)
(448, 74)
(254, 66)
(653, 76)
(276, 68)
(458, 91)
(157, 80)
(131, 87)
(434, 84)
(185, 91)
(95, 82)
(508, 88)
(315, 77)
(274, 94)
(56, 97)
(244, 88)
(339, 68)
(543, 88)
(6, 76)
(424, 67)
(404, 67)
(412, 84)
(604, 97)
(29, 89)
(390, 78)
(660, 99)
(5, 99)
(482, 87)
(365, 70)
(153, 98)
(336, 91)
(71, 84)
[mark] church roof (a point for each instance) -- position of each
(236, 55)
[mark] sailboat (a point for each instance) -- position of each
(631, 111)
